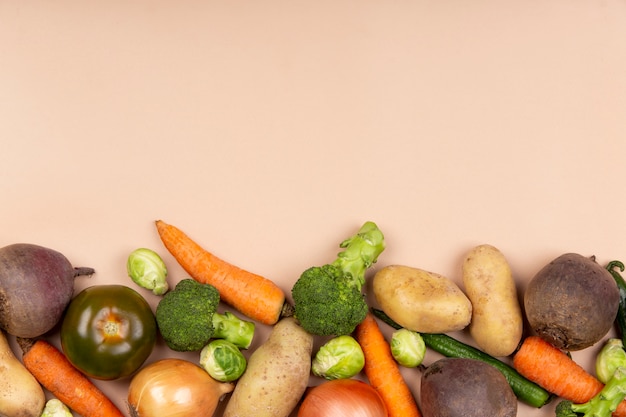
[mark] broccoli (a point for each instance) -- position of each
(187, 318)
(328, 299)
(602, 405)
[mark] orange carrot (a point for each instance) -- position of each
(55, 373)
(555, 371)
(383, 371)
(252, 295)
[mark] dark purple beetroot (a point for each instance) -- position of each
(36, 285)
(461, 387)
(572, 302)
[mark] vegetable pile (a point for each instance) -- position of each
(479, 347)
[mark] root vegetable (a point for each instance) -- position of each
(572, 302)
(277, 374)
(421, 301)
(453, 387)
(497, 321)
(36, 285)
(20, 393)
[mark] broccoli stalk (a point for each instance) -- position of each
(328, 299)
(231, 328)
(187, 318)
(607, 400)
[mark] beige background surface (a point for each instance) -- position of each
(269, 131)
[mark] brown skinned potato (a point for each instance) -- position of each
(277, 374)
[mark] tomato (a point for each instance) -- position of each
(108, 331)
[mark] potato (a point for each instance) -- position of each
(20, 393)
(497, 321)
(572, 302)
(277, 374)
(460, 387)
(421, 301)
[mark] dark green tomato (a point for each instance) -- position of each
(108, 331)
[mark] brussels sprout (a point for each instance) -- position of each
(408, 348)
(611, 357)
(55, 408)
(146, 268)
(340, 358)
(223, 360)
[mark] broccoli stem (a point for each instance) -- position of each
(604, 403)
(229, 327)
(361, 251)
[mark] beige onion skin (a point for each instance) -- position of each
(176, 388)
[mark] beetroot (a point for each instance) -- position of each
(36, 285)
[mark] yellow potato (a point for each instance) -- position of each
(421, 301)
(497, 322)
(20, 393)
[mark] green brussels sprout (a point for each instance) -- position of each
(223, 360)
(611, 357)
(55, 408)
(340, 358)
(408, 348)
(146, 268)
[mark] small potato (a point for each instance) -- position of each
(497, 321)
(421, 301)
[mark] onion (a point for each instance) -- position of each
(174, 388)
(342, 397)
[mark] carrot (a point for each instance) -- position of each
(383, 372)
(555, 371)
(55, 373)
(252, 295)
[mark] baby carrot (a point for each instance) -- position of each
(555, 371)
(383, 372)
(252, 295)
(55, 373)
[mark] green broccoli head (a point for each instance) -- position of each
(564, 409)
(326, 303)
(185, 315)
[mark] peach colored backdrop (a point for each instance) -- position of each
(270, 130)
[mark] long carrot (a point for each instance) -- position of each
(555, 371)
(55, 373)
(252, 295)
(383, 372)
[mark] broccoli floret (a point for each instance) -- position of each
(603, 404)
(187, 318)
(328, 299)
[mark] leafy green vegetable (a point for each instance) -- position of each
(339, 358)
(223, 360)
(146, 268)
(408, 348)
(55, 408)
(611, 357)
